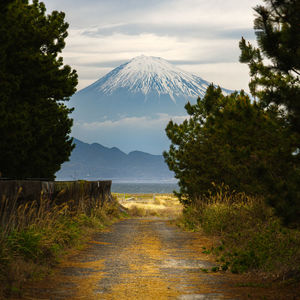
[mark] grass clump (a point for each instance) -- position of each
(251, 237)
(35, 235)
(147, 205)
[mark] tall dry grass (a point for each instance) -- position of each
(251, 237)
(33, 235)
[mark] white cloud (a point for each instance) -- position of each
(216, 56)
(128, 134)
(177, 30)
(232, 75)
(137, 123)
(215, 12)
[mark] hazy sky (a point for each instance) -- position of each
(198, 36)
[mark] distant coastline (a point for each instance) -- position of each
(144, 187)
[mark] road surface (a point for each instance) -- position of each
(140, 259)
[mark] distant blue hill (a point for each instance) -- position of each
(96, 162)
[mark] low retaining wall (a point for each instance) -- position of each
(93, 193)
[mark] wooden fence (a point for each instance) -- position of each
(90, 194)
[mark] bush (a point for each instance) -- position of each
(250, 236)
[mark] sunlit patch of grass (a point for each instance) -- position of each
(143, 205)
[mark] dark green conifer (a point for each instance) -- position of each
(252, 147)
(229, 140)
(276, 81)
(34, 122)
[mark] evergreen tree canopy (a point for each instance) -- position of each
(253, 147)
(34, 123)
(277, 27)
(275, 79)
(229, 140)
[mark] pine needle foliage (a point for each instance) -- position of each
(34, 82)
(250, 145)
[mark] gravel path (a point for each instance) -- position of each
(138, 259)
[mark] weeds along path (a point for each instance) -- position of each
(143, 258)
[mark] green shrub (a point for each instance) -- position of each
(25, 243)
(250, 236)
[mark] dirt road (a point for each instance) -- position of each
(138, 259)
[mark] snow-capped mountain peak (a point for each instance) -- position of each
(145, 85)
(132, 104)
(148, 74)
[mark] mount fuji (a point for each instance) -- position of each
(144, 86)
(130, 107)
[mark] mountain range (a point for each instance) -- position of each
(130, 106)
(96, 162)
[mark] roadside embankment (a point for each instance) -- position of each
(36, 231)
(250, 238)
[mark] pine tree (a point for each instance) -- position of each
(278, 37)
(228, 140)
(34, 82)
(275, 80)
